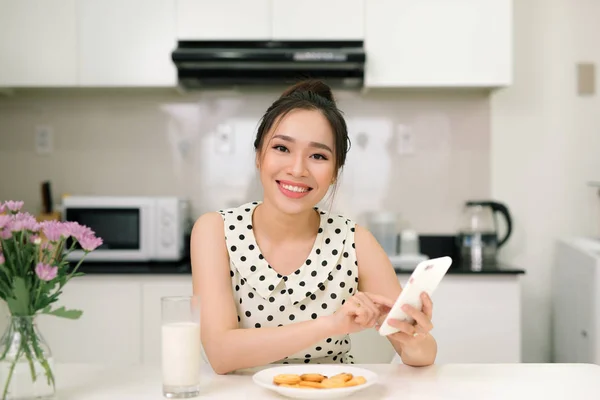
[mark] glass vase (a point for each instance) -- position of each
(26, 364)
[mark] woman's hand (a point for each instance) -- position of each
(410, 335)
(357, 314)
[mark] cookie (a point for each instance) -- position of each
(345, 377)
(288, 379)
(312, 377)
(355, 381)
(329, 383)
(310, 384)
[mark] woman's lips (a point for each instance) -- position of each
(293, 190)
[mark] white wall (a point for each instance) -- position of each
(545, 147)
(112, 142)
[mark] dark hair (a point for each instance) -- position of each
(308, 95)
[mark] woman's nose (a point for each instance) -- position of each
(298, 167)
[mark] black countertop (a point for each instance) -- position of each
(432, 245)
(184, 267)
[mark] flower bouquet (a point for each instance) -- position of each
(33, 272)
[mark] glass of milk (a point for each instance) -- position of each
(181, 346)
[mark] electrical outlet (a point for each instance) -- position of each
(405, 140)
(224, 139)
(44, 139)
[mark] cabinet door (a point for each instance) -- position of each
(127, 43)
(152, 291)
(438, 43)
(318, 20)
(109, 330)
(38, 43)
(223, 20)
(467, 314)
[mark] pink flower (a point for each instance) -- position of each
(4, 220)
(54, 230)
(2, 208)
(89, 242)
(78, 231)
(35, 239)
(46, 272)
(24, 221)
(5, 234)
(2, 259)
(13, 206)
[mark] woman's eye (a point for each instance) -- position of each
(319, 156)
(280, 148)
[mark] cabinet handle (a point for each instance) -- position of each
(584, 333)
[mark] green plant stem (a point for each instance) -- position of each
(10, 373)
(31, 349)
(76, 268)
(40, 356)
(17, 246)
(9, 262)
(37, 295)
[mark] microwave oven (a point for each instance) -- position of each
(131, 228)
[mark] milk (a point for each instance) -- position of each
(181, 356)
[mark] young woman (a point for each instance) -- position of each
(282, 281)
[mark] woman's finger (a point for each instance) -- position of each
(362, 312)
(372, 308)
(427, 305)
(404, 326)
(367, 308)
(380, 300)
(418, 316)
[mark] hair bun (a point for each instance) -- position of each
(315, 86)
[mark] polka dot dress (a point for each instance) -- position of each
(324, 282)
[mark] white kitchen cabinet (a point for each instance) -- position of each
(126, 43)
(476, 318)
(576, 301)
(438, 43)
(223, 20)
(318, 20)
(153, 289)
(110, 328)
(38, 43)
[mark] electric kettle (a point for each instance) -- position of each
(478, 237)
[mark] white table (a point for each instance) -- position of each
(451, 381)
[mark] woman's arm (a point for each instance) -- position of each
(228, 347)
(376, 275)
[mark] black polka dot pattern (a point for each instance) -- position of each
(267, 297)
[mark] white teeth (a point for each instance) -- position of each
(295, 188)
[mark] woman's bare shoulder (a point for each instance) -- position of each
(207, 241)
(209, 222)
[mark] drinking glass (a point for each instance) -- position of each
(181, 346)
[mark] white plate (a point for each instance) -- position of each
(265, 377)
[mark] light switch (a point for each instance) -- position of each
(405, 140)
(224, 139)
(586, 79)
(44, 139)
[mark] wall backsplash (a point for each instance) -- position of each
(109, 142)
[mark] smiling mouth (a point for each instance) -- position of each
(294, 188)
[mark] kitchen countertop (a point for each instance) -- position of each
(396, 381)
(184, 267)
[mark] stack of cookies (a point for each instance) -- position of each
(318, 381)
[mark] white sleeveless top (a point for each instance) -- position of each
(323, 283)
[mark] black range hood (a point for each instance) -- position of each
(206, 64)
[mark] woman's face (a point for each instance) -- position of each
(296, 162)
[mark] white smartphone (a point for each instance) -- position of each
(425, 278)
